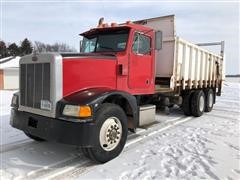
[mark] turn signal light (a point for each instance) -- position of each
(77, 111)
(85, 111)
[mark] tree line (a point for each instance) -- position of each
(26, 47)
(13, 49)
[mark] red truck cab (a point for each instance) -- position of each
(119, 58)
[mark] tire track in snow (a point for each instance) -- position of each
(16, 145)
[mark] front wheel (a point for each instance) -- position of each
(111, 122)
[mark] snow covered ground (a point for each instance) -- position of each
(177, 147)
(203, 148)
(7, 133)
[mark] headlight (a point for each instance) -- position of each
(77, 111)
(14, 102)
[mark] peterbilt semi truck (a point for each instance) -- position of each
(92, 99)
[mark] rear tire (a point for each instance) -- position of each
(112, 130)
(186, 104)
(209, 100)
(198, 103)
(35, 138)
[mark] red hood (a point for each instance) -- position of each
(88, 71)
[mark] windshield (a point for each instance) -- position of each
(113, 41)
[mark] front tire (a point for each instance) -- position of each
(111, 122)
(198, 103)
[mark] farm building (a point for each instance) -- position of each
(9, 73)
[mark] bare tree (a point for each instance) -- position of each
(39, 46)
(56, 47)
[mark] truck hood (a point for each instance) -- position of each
(85, 71)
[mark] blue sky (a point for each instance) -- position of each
(62, 21)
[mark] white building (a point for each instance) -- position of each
(9, 74)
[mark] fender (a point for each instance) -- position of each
(94, 97)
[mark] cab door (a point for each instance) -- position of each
(140, 62)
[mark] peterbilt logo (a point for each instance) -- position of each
(34, 58)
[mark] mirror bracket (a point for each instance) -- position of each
(158, 40)
(80, 45)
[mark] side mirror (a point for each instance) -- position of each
(80, 46)
(158, 40)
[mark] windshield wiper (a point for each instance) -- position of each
(105, 47)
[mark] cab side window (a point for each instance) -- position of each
(141, 44)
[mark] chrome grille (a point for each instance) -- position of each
(34, 84)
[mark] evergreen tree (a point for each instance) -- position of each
(3, 49)
(13, 49)
(26, 47)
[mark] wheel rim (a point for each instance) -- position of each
(110, 133)
(210, 101)
(201, 104)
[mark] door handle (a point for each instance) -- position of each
(122, 70)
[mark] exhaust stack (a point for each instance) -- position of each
(100, 22)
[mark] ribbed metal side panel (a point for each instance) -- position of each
(34, 84)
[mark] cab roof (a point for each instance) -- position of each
(119, 27)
